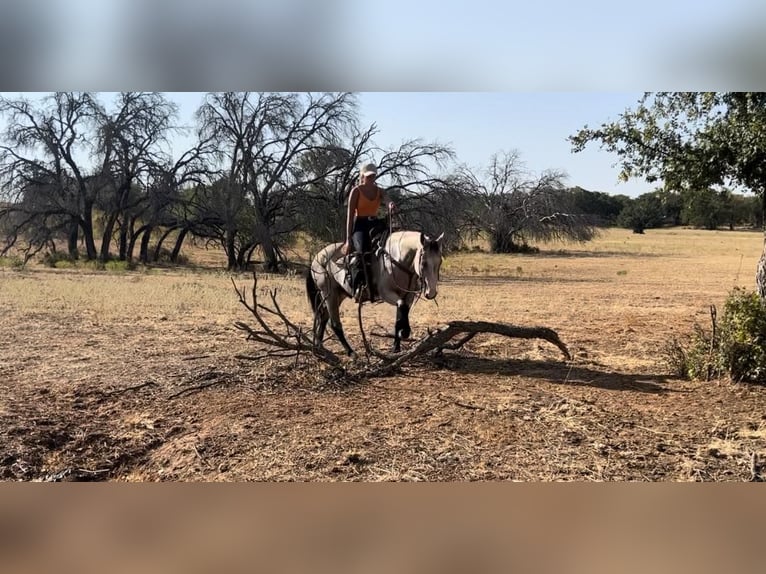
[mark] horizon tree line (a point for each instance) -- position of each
(103, 181)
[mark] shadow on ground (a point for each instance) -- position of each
(559, 373)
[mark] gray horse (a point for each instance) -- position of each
(406, 266)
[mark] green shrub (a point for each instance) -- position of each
(13, 261)
(742, 337)
(64, 264)
(735, 346)
(52, 260)
(116, 266)
(91, 265)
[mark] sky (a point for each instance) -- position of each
(484, 76)
(397, 45)
(479, 124)
(536, 125)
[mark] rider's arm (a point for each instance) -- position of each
(353, 198)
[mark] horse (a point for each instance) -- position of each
(405, 265)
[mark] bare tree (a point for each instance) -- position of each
(31, 220)
(130, 142)
(261, 138)
(512, 207)
(44, 153)
(330, 173)
(412, 176)
(66, 158)
(169, 205)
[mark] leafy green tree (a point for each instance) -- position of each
(603, 207)
(672, 206)
(746, 211)
(707, 208)
(644, 212)
(691, 140)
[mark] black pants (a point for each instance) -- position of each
(361, 234)
(364, 229)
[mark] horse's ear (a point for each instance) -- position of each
(423, 238)
(438, 239)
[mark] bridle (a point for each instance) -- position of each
(420, 255)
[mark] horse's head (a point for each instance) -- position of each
(430, 263)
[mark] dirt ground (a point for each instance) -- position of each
(138, 376)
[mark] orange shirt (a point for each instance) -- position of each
(368, 207)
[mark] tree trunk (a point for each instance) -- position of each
(501, 242)
(143, 254)
(244, 255)
(249, 256)
(134, 235)
(107, 239)
(123, 241)
(760, 274)
(270, 258)
(160, 241)
(87, 232)
(177, 247)
(72, 237)
(231, 251)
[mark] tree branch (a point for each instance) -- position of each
(289, 340)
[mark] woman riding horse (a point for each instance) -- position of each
(408, 267)
(361, 221)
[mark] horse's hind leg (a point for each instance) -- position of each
(320, 324)
(338, 330)
(333, 306)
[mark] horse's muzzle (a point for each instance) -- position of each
(430, 297)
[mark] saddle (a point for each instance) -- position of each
(378, 236)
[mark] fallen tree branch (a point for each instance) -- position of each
(439, 340)
(294, 338)
(284, 339)
(459, 344)
(513, 331)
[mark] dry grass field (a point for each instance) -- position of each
(95, 367)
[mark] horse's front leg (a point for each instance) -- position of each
(402, 325)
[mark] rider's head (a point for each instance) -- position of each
(367, 173)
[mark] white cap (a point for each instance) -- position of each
(369, 169)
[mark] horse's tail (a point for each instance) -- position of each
(312, 291)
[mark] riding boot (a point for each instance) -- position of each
(357, 275)
(372, 292)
